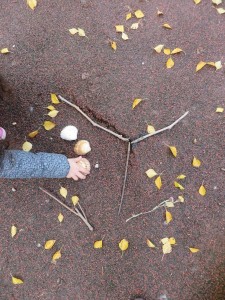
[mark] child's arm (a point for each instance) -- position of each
(21, 164)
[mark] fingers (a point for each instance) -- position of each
(77, 158)
(74, 177)
(83, 170)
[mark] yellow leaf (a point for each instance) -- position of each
(33, 133)
(32, 3)
(150, 244)
(165, 240)
(158, 182)
(128, 16)
(194, 250)
(180, 198)
(159, 48)
(173, 149)
(172, 241)
(166, 248)
(159, 13)
(151, 173)
(113, 45)
(200, 65)
(48, 125)
(119, 28)
(169, 217)
(81, 32)
(211, 63)
(63, 192)
(218, 65)
(221, 10)
(181, 176)
(4, 50)
(150, 129)
(60, 217)
(56, 255)
(196, 162)
(178, 185)
(217, 2)
(139, 14)
(197, 1)
(167, 51)
(27, 146)
(220, 109)
(53, 113)
(136, 102)
(75, 200)
(124, 36)
(51, 107)
(134, 26)
(169, 204)
(166, 25)
(13, 231)
(123, 244)
(176, 50)
(98, 244)
(49, 244)
(16, 280)
(202, 190)
(169, 63)
(54, 99)
(73, 31)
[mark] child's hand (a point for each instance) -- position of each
(76, 172)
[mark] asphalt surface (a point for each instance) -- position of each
(44, 58)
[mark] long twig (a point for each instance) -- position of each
(92, 122)
(125, 177)
(160, 130)
(76, 212)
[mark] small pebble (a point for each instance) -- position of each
(96, 166)
(38, 245)
(13, 189)
(14, 123)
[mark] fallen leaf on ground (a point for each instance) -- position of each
(56, 255)
(123, 244)
(136, 102)
(173, 150)
(172, 241)
(4, 50)
(139, 14)
(151, 173)
(32, 4)
(98, 244)
(60, 217)
(150, 244)
(27, 146)
(63, 192)
(180, 198)
(196, 162)
(218, 65)
(33, 133)
(51, 107)
(53, 113)
(167, 248)
(150, 129)
(169, 204)
(219, 109)
(167, 51)
(159, 13)
(178, 185)
(211, 63)
(16, 280)
(124, 36)
(13, 231)
(81, 32)
(176, 50)
(169, 63)
(128, 16)
(75, 200)
(158, 182)
(181, 176)
(164, 240)
(197, 1)
(49, 244)
(113, 45)
(200, 65)
(134, 26)
(119, 28)
(159, 48)
(194, 250)
(166, 25)
(217, 2)
(220, 10)
(202, 190)
(48, 125)
(169, 217)
(54, 99)
(73, 31)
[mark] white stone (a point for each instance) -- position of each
(69, 133)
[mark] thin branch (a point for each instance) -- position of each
(160, 130)
(76, 212)
(125, 177)
(222, 169)
(92, 122)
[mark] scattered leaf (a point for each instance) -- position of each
(194, 250)
(151, 173)
(33, 133)
(81, 32)
(56, 255)
(196, 162)
(60, 217)
(158, 182)
(181, 176)
(166, 25)
(173, 149)
(176, 50)
(219, 109)
(165, 240)
(169, 204)
(54, 99)
(16, 280)
(180, 198)
(172, 241)
(98, 244)
(32, 4)
(218, 65)
(159, 48)
(178, 185)
(220, 10)
(73, 31)
(119, 28)
(150, 244)
(211, 63)
(200, 65)
(123, 244)
(150, 129)
(13, 231)
(27, 146)
(75, 200)
(169, 217)
(202, 190)
(4, 50)
(136, 102)
(159, 13)
(169, 63)
(113, 45)
(197, 1)
(167, 51)
(63, 192)
(49, 244)
(167, 248)
(139, 14)
(53, 113)
(51, 107)
(217, 2)
(48, 125)
(128, 16)
(124, 36)
(134, 26)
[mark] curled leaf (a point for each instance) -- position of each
(150, 244)
(173, 149)
(49, 244)
(196, 162)
(200, 65)
(194, 250)
(48, 125)
(136, 102)
(98, 244)
(158, 182)
(33, 133)
(178, 185)
(169, 217)
(166, 25)
(159, 48)
(176, 50)
(123, 244)
(151, 173)
(181, 176)
(16, 280)
(63, 192)
(169, 63)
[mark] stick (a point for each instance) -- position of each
(76, 212)
(125, 177)
(222, 169)
(92, 122)
(160, 130)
